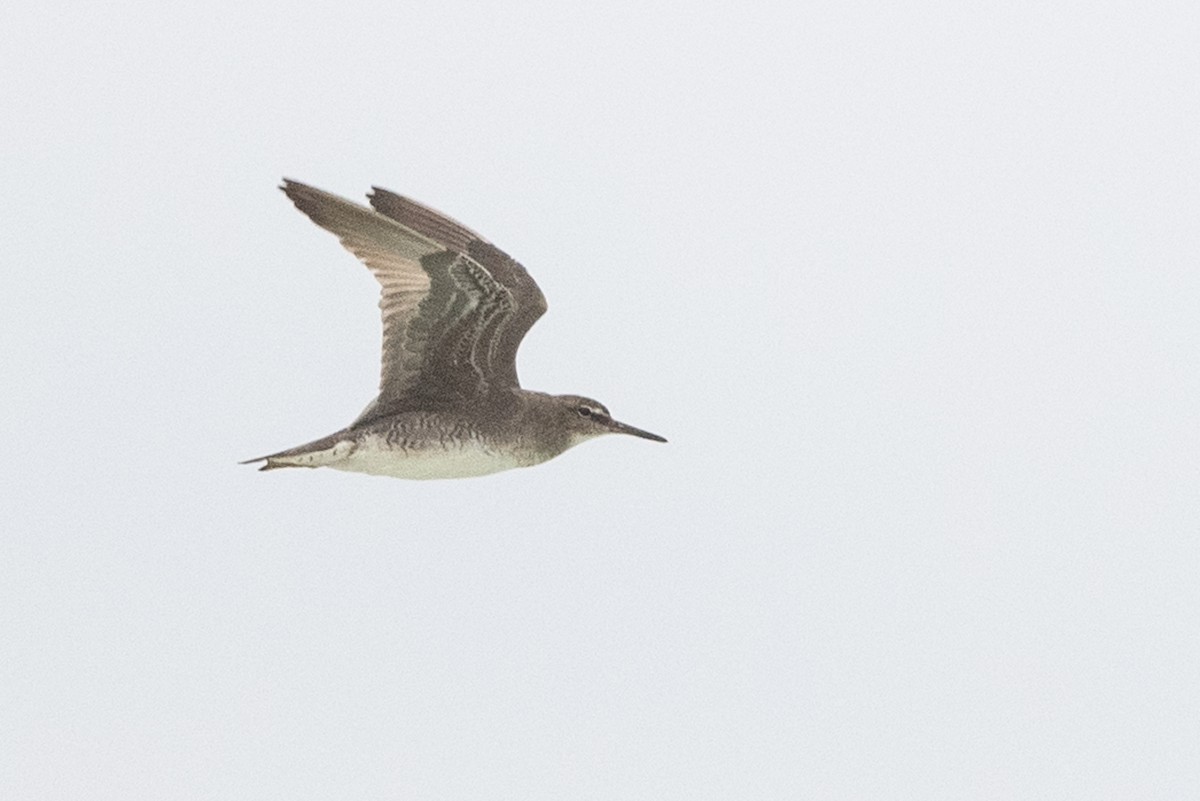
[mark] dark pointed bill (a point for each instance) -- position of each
(624, 428)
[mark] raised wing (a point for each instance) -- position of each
(504, 332)
(448, 318)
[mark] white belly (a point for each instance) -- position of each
(374, 456)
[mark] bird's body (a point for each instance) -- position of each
(455, 309)
(441, 444)
(410, 445)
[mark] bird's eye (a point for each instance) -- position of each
(584, 411)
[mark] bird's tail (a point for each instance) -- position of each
(317, 453)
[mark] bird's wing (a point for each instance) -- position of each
(454, 307)
(501, 335)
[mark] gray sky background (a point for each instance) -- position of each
(911, 288)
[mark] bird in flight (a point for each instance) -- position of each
(455, 308)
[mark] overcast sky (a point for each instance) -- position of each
(912, 289)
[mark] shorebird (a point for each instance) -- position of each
(455, 308)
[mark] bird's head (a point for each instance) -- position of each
(584, 418)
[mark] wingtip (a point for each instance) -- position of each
(379, 193)
(268, 465)
(290, 187)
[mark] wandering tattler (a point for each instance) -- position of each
(455, 308)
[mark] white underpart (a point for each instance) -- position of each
(374, 456)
